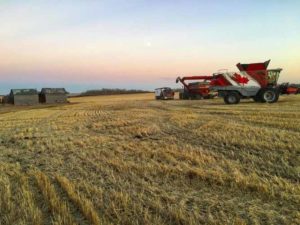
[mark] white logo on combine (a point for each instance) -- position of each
(229, 76)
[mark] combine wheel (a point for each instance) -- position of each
(232, 98)
(269, 95)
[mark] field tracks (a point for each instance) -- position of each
(84, 205)
(17, 201)
(34, 198)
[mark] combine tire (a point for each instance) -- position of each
(269, 95)
(232, 98)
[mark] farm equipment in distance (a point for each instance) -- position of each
(253, 81)
(196, 90)
(287, 89)
(164, 93)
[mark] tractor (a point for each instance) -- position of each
(164, 93)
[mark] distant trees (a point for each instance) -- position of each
(113, 91)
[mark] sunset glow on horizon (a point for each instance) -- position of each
(141, 44)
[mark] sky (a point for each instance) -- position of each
(141, 44)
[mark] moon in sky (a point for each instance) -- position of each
(148, 44)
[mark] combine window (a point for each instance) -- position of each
(273, 76)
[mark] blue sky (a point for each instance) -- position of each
(141, 44)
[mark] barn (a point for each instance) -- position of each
(23, 97)
(53, 95)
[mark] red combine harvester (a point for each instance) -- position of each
(196, 90)
(253, 81)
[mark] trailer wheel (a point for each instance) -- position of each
(269, 95)
(232, 98)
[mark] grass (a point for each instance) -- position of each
(132, 160)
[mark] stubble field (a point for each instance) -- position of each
(132, 160)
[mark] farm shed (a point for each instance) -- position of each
(23, 97)
(53, 95)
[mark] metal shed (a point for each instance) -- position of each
(23, 97)
(53, 95)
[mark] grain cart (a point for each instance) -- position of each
(164, 93)
(196, 90)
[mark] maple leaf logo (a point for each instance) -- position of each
(240, 79)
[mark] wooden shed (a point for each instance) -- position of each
(53, 95)
(23, 97)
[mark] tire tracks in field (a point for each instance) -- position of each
(59, 209)
(186, 135)
(236, 118)
(23, 202)
(74, 210)
(78, 201)
(63, 209)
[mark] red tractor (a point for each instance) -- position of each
(253, 81)
(196, 90)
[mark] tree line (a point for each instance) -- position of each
(111, 91)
